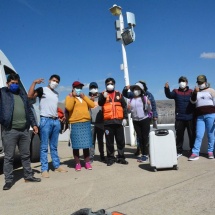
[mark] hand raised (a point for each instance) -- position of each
(39, 81)
(167, 84)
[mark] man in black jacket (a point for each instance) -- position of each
(184, 110)
(16, 117)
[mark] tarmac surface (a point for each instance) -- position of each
(133, 189)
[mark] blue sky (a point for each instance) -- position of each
(76, 39)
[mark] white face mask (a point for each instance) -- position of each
(182, 85)
(202, 86)
(53, 84)
(137, 92)
(94, 90)
(110, 87)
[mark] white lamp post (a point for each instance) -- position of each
(117, 11)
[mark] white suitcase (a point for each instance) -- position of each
(162, 149)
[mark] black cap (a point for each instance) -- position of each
(182, 79)
(93, 84)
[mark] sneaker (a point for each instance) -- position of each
(78, 167)
(179, 155)
(88, 166)
(110, 162)
(61, 169)
(91, 160)
(45, 174)
(210, 155)
(143, 158)
(33, 179)
(193, 157)
(122, 161)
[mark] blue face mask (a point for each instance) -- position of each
(78, 91)
(14, 88)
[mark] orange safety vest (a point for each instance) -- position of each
(113, 109)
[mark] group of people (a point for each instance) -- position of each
(92, 116)
(194, 111)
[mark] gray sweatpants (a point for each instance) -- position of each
(10, 139)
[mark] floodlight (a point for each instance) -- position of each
(116, 10)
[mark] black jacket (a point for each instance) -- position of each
(7, 106)
(184, 109)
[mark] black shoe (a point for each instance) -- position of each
(110, 162)
(103, 159)
(122, 161)
(33, 179)
(7, 186)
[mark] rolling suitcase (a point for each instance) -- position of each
(162, 149)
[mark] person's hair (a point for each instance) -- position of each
(55, 76)
(12, 76)
(144, 85)
(109, 79)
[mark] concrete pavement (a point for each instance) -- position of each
(133, 189)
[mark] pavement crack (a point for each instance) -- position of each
(157, 191)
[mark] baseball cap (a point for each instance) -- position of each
(182, 79)
(201, 78)
(93, 84)
(77, 83)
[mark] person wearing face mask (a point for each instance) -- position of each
(97, 124)
(16, 117)
(141, 113)
(115, 115)
(129, 94)
(184, 113)
(49, 122)
(204, 98)
(77, 104)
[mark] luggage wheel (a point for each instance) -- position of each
(175, 167)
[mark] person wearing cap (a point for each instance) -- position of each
(97, 124)
(141, 113)
(49, 122)
(204, 98)
(77, 104)
(129, 94)
(115, 115)
(184, 113)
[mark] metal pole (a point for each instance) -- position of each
(126, 77)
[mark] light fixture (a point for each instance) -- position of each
(116, 10)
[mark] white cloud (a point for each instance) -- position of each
(64, 89)
(208, 55)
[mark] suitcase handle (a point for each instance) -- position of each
(161, 132)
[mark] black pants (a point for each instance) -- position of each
(10, 139)
(98, 133)
(142, 129)
(117, 131)
(180, 126)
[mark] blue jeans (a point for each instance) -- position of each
(49, 132)
(204, 122)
